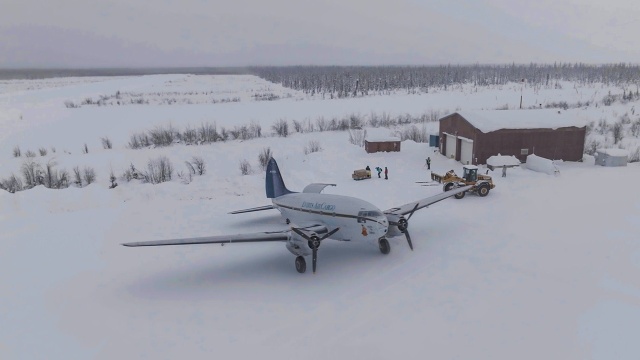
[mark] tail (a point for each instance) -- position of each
(274, 185)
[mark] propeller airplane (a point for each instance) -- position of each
(315, 217)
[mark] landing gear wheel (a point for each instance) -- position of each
(483, 191)
(459, 195)
(448, 186)
(301, 264)
(383, 245)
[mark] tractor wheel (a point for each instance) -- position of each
(459, 195)
(483, 190)
(384, 246)
(448, 186)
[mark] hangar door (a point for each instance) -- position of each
(466, 151)
(450, 150)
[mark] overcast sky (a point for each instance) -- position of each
(144, 33)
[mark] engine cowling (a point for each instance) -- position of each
(396, 230)
(298, 245)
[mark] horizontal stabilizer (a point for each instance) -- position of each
(259, 208)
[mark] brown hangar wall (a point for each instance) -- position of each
(565, 143)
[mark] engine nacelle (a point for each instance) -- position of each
(394, 230)
(298, 245)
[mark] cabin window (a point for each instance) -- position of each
(524, 151)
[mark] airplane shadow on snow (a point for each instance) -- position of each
(273, 266)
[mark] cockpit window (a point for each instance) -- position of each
(371, 214)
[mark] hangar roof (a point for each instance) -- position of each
(492, 120)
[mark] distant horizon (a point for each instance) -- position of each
(25, 73)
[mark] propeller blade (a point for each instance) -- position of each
(412, 211)
(315, 258)
(330, 233)
(304, 236)
(406, 233)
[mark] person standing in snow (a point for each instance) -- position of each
(386, 173)
(504, 171)
(379, 170)
(428, 163)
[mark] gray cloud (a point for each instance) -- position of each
(73, 33)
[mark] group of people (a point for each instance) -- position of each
(379, 170)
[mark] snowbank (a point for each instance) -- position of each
(503, 160)
(540, 164)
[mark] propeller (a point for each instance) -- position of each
(314, 242)
(403, 226)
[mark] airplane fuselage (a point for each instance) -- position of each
(356, 218)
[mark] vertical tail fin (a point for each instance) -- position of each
(274, 185)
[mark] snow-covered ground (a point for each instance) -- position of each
(544, 267)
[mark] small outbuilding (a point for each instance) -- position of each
(377, 140)
(471, 137)
(612, 157)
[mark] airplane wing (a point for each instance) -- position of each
(259, 208)
(222, 239)
(416, 205)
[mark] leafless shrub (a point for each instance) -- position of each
(112, 178)
(106, 143)
(31, 173)
(77, 176)
(11, 184)
(503, 107)
(89, 175)
(634, 156)
(208, 133)
(281, 127)
(617, 132)
(557, 105)
(591, 146)
(186, 178)
(53, 149)
(50, 175)
(70, 104)
(189, 136)
(415, 134)
(16, 151)
(42, 151)
(264, 157)
(161, 136)
(224, 134)
(139, 140)
(322, 124)
(356, 121)
(603, 127)
(158, 170)
(357, 137)
(130, 174)
(635, 128)
(297, 126)
(196, 166)
(30, 154)
(387, 121)
(313, 146)
(245, 167)
(85, 149)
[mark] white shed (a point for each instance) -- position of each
(612, 157)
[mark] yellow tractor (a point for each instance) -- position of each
(481, 183)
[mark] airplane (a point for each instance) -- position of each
(315, 217)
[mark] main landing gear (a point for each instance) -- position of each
(384, 246)
(301, 264)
